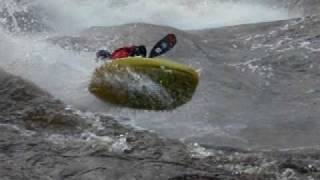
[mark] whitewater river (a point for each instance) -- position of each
(65, 73)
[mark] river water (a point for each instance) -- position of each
(66, 73)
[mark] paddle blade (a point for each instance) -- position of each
(163, 46)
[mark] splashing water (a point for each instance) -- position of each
(66, 74)
(178, 13)
(72, 15)
(139, 84)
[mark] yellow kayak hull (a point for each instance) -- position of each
(144, 83)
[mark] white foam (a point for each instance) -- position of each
(198, 151)
(68, 15)
(65, 74)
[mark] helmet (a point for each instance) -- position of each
(103, 54)
(140, 51)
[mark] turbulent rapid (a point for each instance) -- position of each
(75, 15)
(53, 44)
(254, 115)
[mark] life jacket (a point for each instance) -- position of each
(123, 52)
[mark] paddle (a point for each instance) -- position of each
(163, 46)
